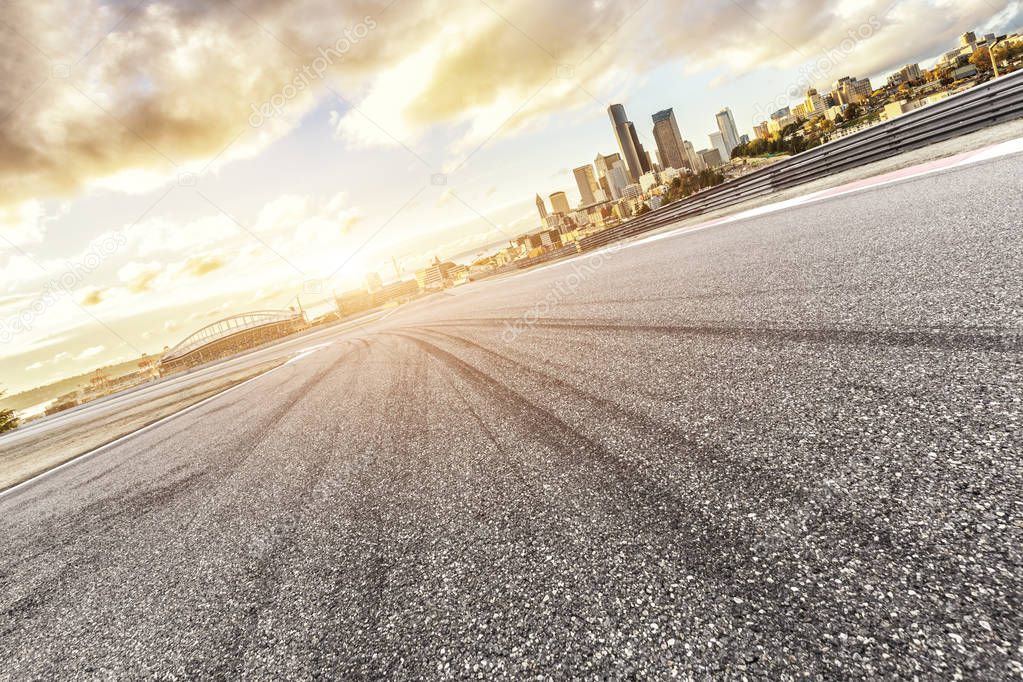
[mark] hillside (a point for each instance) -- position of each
(42, 394)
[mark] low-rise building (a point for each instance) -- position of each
(834, 112)
(435, 276)
(353, 302)
(648, 181)
(395, 292)
(711, 158)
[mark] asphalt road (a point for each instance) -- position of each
(114, 404)
(788, 445)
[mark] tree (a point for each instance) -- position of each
(643, 208)
(8, 421)
(981, 58)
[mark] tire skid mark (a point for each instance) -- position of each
(656, 436)
(265, 572)
(138, 505)
(581, 454)
(1001, 341)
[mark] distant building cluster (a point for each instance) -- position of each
(102, 383)
(614, 188)
(853, 104)
(631, 180)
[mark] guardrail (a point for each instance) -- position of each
(980, 107)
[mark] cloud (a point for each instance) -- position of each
(284, 212)
(22, 224)
(199, 266)
(139, 277)
(93, 296)
(160, 235)
(92, 351)
(179, 82)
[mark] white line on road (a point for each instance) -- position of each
(86, 455)
(305, 352)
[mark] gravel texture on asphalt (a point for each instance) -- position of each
(788, 446)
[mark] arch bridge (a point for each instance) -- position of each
(229, 336)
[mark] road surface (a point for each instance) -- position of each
(784, 445)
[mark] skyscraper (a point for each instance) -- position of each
(628, 141)
(605, 163)
(717, 141)
(670, 144)
(695, 160)
(729, 133)
(587, 183)
(541, 207)
(644, 158)
(618, 179)
(559, 203)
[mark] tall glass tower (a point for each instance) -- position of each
(628, 142)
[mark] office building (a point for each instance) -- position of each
(559, 203)
(729, 133)
(586, 181)
(852, 90)
(908, 73)
(717, 142)
(695, 162)
(670, 145)
(605, 163)
(711, 158)
(554, 221)
(644, 157)
(776, 126)
(628, 141)
(353, 302)
(541, 208)
(618, 179)
(396, 291)
(435, 276)
(815, 104)
(550, 238)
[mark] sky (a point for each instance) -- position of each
(164, 164)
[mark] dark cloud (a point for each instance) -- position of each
(177, 81)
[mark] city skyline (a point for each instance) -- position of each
(238, 223)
